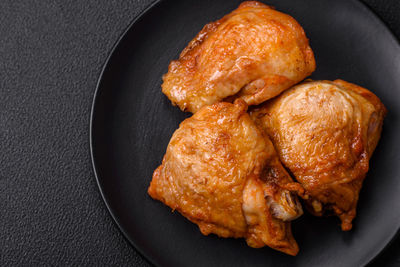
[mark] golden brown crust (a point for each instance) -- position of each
(221, 173)
(253, 53)
(376, 119)
(368, 95)
(325, 133)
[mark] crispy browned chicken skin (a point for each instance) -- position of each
(221, 173)
(325, 133)
(254, 53)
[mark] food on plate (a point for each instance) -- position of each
(253, 53)
(230, 172)
(222, 173)
(325, 133)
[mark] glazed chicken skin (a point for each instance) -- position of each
(325, 133)
(253, 53)
(221, 173)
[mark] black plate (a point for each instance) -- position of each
(132, 122)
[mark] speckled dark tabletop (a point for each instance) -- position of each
(51, 54)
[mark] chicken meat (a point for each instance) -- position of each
(222, 173)
(325, 133)
(253, 53)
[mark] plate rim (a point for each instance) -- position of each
(374, 16)
(106, 63)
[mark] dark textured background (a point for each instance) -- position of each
(51, 54)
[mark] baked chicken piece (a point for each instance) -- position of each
(254, 53)
(221, 173)
(325, 133)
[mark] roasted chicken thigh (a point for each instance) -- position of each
(253, 53)
(325, 133)
(221, 173)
